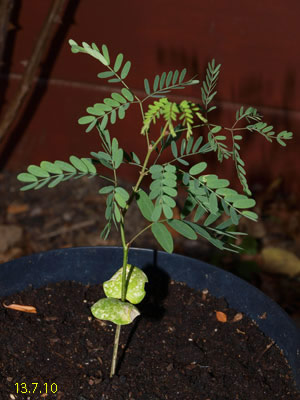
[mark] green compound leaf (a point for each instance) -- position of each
(217, 183)
(120, 200)
(105, 74)
(25, 177)
(125, 70)
(65, 166)
(127, 93)
(86, 120)
(163, 236)
(156, 213)
(213, 203)
(135, 284)
(118, 62)
(105, 53)
(234, 217)
(78, 164)
(122, 192)
(183, 228)
(244, 203)
(106, 189)
(118, 98)
(51, 167)
(28, 187)
(147, 86)
(182, 75)
(198, 168)
(216, 129)
(167, 210)
(250, 214)
(116, 311)
(90, 166)
(145, 204)
(38, 171)
(56, 181)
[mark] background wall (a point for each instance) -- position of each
(257, 44)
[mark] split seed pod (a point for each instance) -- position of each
(114, 310)
(135, 282)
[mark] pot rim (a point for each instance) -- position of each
(82, 264)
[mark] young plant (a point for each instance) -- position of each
(211, 207)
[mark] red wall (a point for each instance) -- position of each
(257, 44)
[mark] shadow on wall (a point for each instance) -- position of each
(42, 84)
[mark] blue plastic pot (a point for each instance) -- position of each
(97, 264)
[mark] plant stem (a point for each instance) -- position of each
(126, 248)
(123, 298)
(115, 351)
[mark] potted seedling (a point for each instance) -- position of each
(177, 136)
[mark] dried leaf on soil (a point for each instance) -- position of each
(20, 307)
(221, 317)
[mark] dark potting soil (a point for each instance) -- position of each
(178, 349)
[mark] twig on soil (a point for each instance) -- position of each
(265, 350)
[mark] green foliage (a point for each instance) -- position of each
(211, 209)
(184, 113)
(51, 174)
(166, 82)
(163, 190)
(209, 200)
(208, 91)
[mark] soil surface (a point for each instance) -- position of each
(186, 345)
